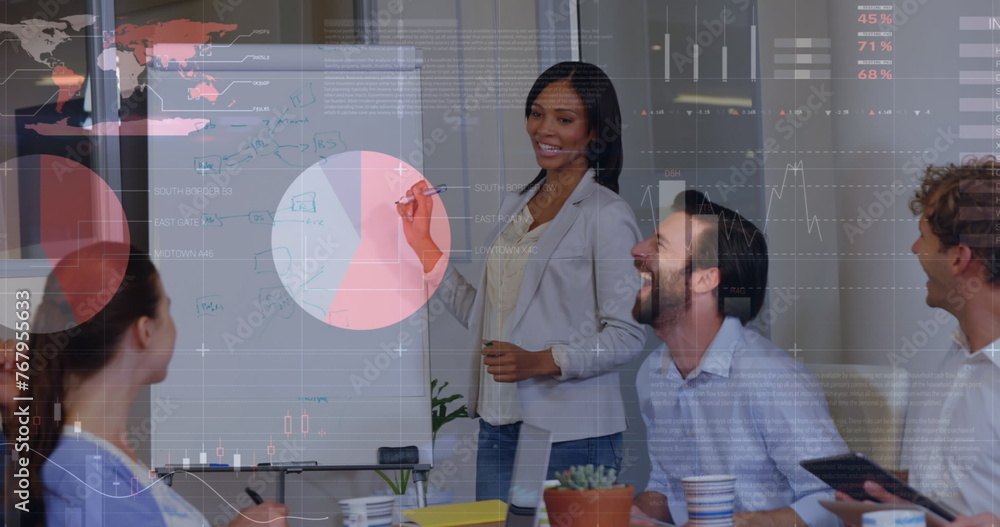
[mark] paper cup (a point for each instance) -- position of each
(894, 518)
(710, 499)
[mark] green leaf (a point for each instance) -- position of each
(446, 400)
(461, 412)
(439, 408)
(583, 477)
(392, 485)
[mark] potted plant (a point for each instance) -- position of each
(399, 482)
(589, 497)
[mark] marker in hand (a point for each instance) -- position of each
(254, 496)
(428, 192)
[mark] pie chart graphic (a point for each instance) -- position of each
(338, 244)
(66, 225)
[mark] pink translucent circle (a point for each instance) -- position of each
(349, 264)
(56, 208)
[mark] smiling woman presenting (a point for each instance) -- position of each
(550, 315)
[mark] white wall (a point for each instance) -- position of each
(804, 253)
(886, 308)
(611, 38)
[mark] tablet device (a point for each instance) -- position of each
(851, 511)
(848, 473)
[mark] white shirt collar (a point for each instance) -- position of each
(718, 357)
(991, 351)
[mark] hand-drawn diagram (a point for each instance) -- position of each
(268, 243)
(209, 305)
(269, 142)
(276, 298)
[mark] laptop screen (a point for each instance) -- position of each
(531, 462)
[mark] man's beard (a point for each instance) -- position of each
(669, 298)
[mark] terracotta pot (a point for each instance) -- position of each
(589, 508)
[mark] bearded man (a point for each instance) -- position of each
(717, 397)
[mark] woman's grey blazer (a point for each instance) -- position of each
(576, 297)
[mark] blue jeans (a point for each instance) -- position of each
(495, 457)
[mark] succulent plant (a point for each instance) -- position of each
(586, 477)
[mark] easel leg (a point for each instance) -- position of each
(281, 486)
(420, 478)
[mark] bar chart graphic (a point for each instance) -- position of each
(802, 58)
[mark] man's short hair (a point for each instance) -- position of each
(734, 245)
(959, 202)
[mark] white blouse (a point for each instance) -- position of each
(498, 401)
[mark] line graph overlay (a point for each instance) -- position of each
(161, 479)
(811, 221)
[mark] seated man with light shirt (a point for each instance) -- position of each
(717, 397)
(952, 433)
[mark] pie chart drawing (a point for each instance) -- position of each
(338, 241)
(61, 211)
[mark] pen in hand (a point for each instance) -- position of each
(254, 496)
(428, 192)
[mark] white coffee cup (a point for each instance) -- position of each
(356, 519)
(894, 518)
(368, 511)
